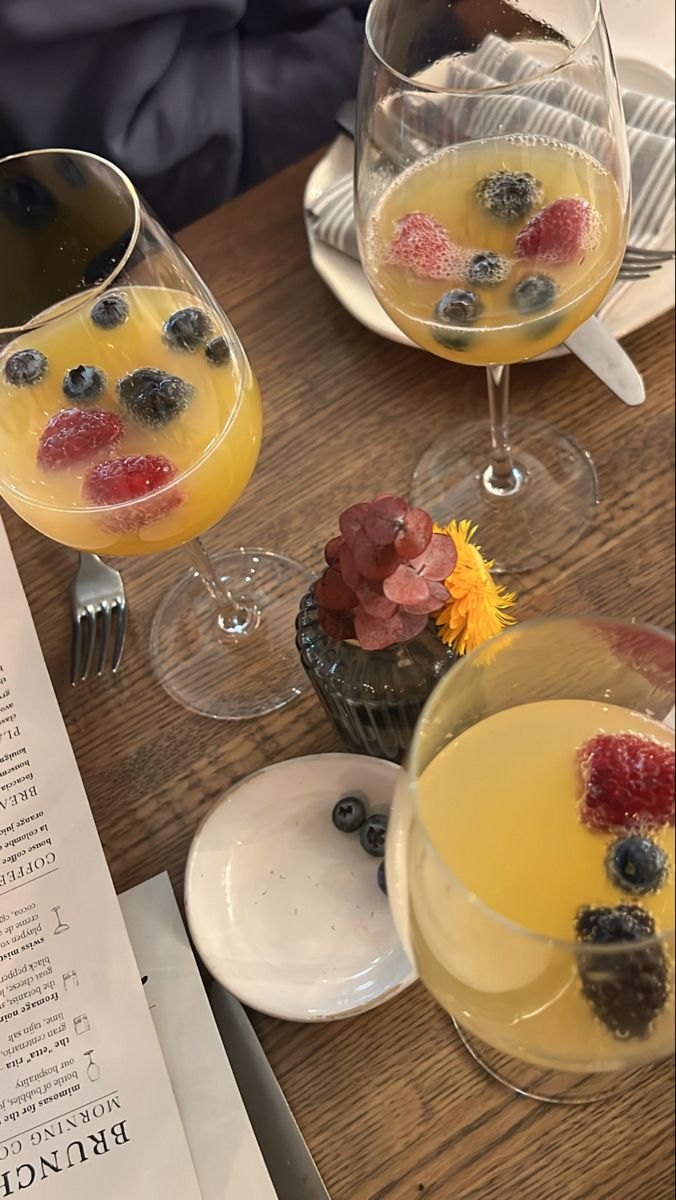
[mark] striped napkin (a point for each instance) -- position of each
(553, 108)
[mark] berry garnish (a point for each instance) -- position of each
(349, 814)
(217, 352)
(84, 384)
(459, 307)
(606, 926)
(423, 246)
(487, 269)
(561, 233)
(452, 339)
(384, 573)
(626, 989)
(25, 368)
(153, 397)
(627, 782)
(187, 329)
(509, 195)
(110, 311)
(74, 435)
(382, 880)
(636, 864)
(137, 477)
(372, 834)
(534, 292)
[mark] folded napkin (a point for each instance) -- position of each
(552, 108)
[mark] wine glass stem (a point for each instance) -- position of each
(235, 619)
(501, 477)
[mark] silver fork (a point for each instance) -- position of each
(99, 619)
(640, 264)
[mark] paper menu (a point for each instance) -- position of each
(86, 1105)
(209, 1101)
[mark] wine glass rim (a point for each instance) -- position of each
(515, 927)
(494, 88)
(90, 293)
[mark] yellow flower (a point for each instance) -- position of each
(476, 610)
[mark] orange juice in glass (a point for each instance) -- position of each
(485, 300)
(130, 421)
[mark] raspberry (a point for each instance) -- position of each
(423, 246)
(561, 233)
(134, 478)
(74, 435)
(626, 989)
(627, 782)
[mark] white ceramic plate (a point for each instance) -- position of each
(628, 308)
(284, 910)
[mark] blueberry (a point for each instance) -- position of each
(349, 814)
(110, 311)
(543, 327)
(626, 988)
(26, 202)
(452, 339)
(509, 195)
(487, 269)
(382, 881)
(84, 384)
(25, 368)
(152, 397)
(372, 834)
(218, 352)
(187, 329)
(636, 864)
(458, 307)
(534, 292)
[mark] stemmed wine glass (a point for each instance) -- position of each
(492, 201)
(534, 893)
(130, 421)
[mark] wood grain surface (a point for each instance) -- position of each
(390, 1104)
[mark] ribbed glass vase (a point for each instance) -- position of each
(372, 697)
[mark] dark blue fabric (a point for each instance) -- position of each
(194, 99)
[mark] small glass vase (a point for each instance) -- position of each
(373, 698)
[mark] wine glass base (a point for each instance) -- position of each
(550, 1086)
(227, 677)
(553, 507)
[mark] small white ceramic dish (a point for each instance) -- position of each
(629, 306)
(284, 910)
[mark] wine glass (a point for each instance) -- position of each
(492, 202)
(517, 882)
(130, 421)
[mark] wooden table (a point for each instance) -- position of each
(390, 1104)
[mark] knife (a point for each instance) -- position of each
(591, 342)
(290, 1165)
(603, 354)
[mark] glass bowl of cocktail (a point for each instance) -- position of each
(492, 202)
(531, 854)
(130, 421)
